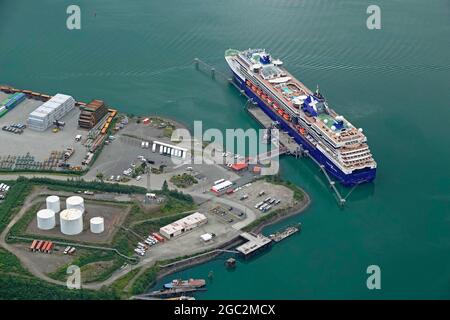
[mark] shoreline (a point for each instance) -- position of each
(290, 212)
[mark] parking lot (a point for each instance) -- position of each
(227, 214)
(38, 145)
(260, 190)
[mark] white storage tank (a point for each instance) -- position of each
(53, 203)
(97, 225)
(46, 219)
(71, 221)
(75, 202)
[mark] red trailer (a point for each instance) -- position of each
(158, 237)
(33, 245)
(38, 245)
(50, 247)
(45, 248)
(44, 244)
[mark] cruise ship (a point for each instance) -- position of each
(305, 115)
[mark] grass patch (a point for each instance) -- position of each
(154, 225)
(142, 282)
(14, 201)
(27, 288)
(299, 194)
(75, 185)
(119, 286)
(85, 261)
(9, 263)
(267, 217)
(183, 180)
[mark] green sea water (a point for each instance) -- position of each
(394, 82)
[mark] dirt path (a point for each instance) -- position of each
(145, 263)
(26, 262)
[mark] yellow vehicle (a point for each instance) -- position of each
(55, 130)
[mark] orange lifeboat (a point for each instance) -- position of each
(286, 117)
(280, 112)
(302, 131)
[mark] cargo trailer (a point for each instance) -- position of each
(33, 245)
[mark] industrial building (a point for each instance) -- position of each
(45, 219)
(217, 188)
(71, 222)
(97, 225)
(75, 202)
(54, 109)
(92, 113)
(168, 149)
(53, 203)
(183, 225)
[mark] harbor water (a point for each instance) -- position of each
(393, 82)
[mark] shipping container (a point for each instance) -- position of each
(33, 245)
(39, 245)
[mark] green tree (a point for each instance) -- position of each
(165, 186)
(99, 176)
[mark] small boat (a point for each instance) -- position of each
(191, 283)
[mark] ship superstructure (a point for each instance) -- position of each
(329, 138)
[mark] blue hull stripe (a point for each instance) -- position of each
(356, 177)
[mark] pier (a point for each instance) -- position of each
(339, 198)
(287, 144)
(167, 293)
(254, 244)
(207, 68)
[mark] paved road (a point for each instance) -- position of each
(146, 262)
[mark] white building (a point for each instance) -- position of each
(97, 224)
(169, 149)
(222, 186)
(71, 221)
(185, 224)
(46, 219)
(54, 109)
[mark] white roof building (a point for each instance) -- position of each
(185, 224)
(222, 186)
(206, 237)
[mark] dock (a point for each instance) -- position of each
(168, 293)
(289, 231)
(287, 143)
(254, 244)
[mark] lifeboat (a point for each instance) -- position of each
(280, 112)
(275, 106)
(286, 117)
(302, 131)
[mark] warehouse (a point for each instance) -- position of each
(221, 186)
(183, 225)
(54, 109)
